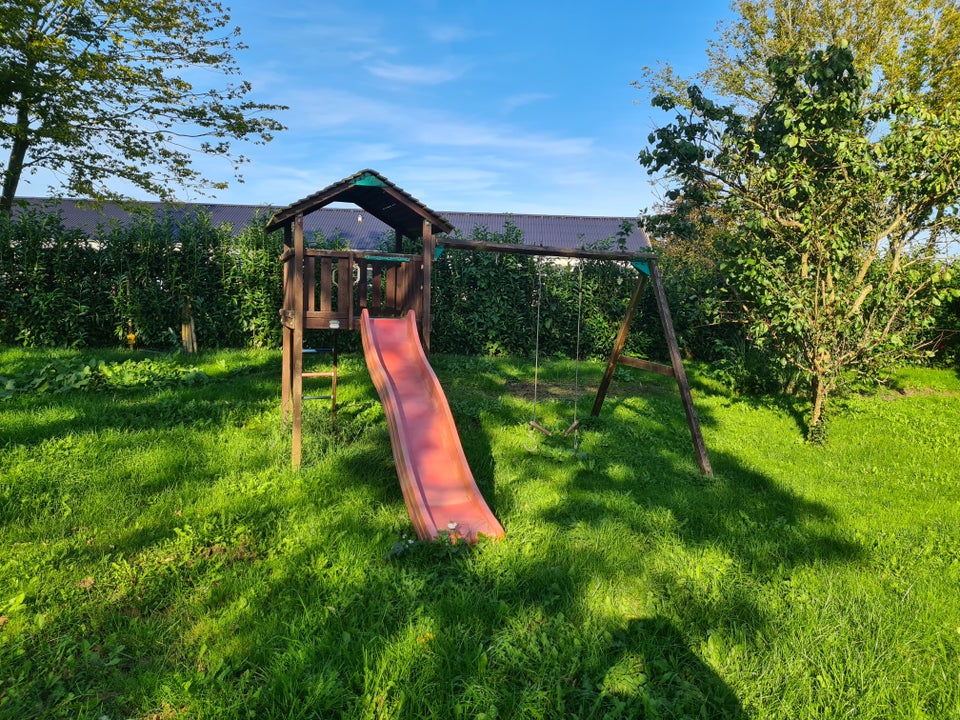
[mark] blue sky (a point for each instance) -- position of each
(496, 106)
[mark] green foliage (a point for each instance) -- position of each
(159, 266)
(67, 289)
(905, 46)
(946, 323)
(52, 281)
(826, 208)
(486, 303)
(97, 91)
(483, 301)
(252, 286)
(64, 376)
(144, 278)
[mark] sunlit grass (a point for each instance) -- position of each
(161, 560)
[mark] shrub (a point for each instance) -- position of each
(63, 287)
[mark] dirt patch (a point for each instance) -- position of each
(568, 390)
(897, 393)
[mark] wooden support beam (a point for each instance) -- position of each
(429, 248)
(286, 379)
(297, 344)
(286, 376)
(618, 345)
(641, 364)
(511, 249)
(674, 370)
(681, 375)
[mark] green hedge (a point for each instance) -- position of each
(63, 287)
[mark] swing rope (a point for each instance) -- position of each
(536, 355)
(574, 427)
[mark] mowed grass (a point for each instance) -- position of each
(160, 560)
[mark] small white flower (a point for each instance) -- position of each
(451, 526)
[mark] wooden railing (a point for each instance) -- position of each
(337, 285)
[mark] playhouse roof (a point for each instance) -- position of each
(372, 192)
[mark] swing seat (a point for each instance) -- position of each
(537, 426)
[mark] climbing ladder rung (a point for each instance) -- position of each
(317, 397)
(318, 374)
(317, 350)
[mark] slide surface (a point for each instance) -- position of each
(437, 484)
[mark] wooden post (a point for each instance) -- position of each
(618, 345)
(286, 379)
(679, 373)
(297, 344)
(188, 330)
(429, 247)
(286, 376)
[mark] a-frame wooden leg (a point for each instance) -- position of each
(296, 392)
(336, 371)
(676, 370)
(618, 346)
(680, 374)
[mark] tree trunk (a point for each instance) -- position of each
(816, 429)
(18, 153)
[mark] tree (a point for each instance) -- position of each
(99, 89)
(907, 46)
(826, 204)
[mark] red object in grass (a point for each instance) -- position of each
(441, 495)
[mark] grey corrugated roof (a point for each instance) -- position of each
(361, 230)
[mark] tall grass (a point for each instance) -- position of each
(160, 560)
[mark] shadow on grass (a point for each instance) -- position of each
(39, 419)
(612, 599)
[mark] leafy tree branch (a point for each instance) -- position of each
(94, 90)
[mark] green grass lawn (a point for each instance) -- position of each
(159, 559)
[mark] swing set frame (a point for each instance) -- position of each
(649, 274)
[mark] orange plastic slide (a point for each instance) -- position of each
(437, 484)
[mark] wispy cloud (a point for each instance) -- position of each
(513, 102)
(414, 74)
(443, 33)
(451, 132)
(334, 115)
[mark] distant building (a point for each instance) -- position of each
(355, 227)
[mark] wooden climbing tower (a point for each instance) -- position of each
(326, 290)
